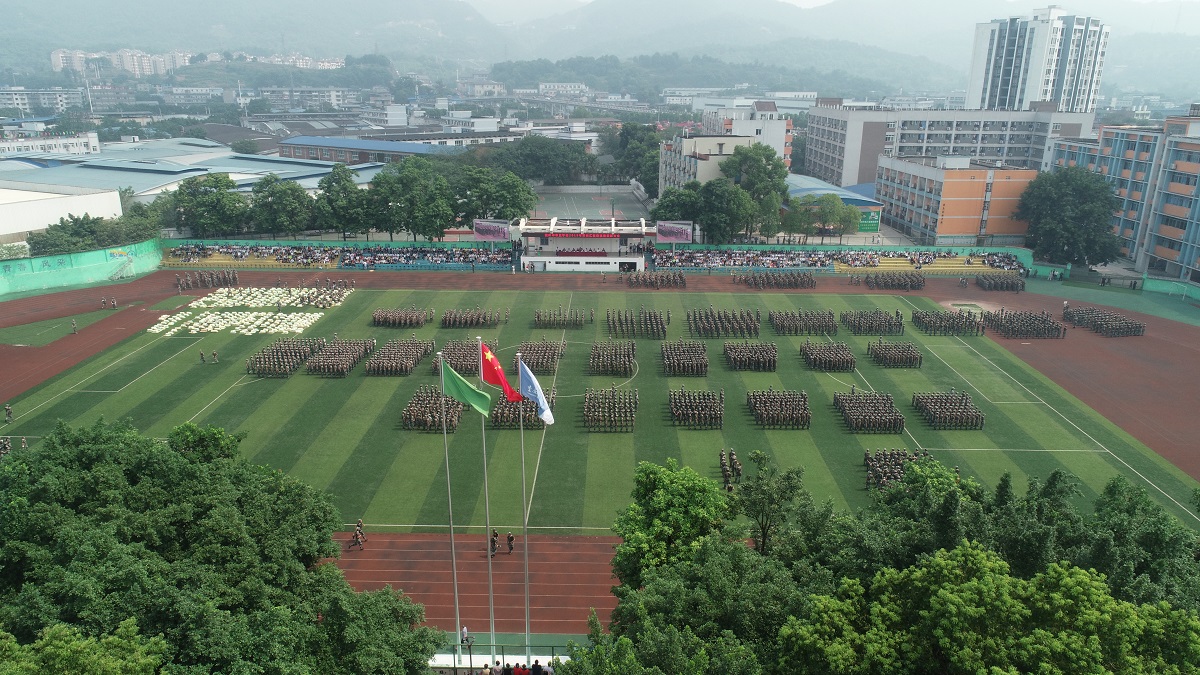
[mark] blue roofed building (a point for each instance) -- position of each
(807, 186)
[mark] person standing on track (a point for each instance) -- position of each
(511, 540)
(7, 413)
(74, 327)
(215, 356)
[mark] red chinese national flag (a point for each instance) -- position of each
(493, 374)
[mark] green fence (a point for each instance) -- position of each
(172, 243)
(76, 269)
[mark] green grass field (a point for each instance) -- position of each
(42, 333)
(343, 434)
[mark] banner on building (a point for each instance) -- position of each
(869, 221)
(674, 231)
(491, 230)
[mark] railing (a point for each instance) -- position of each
(469, 658)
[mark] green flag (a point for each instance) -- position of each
(457, 388)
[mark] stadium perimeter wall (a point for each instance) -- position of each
(75, 269)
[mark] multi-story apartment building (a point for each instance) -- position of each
(761, 120)
(952, 201)
(108, 97)
(310, 97)
(562, 88)
(1155, 172)
(28, 101)
(684, 159)
(1022, 61)
(191, 95)
(49, 142)
(844, 143)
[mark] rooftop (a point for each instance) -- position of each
(804, 186)
(409, 147)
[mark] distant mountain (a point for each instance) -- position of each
(506, 12)
(1135, 64)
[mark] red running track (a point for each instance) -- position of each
(568, 576)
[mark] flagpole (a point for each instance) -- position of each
(524, 510)
(487, 509)
(449, 505)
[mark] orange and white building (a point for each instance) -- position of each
(952, 201)
(1155, 172)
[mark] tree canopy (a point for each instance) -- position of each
(208, 206)
(1070, 217)
(221, 561)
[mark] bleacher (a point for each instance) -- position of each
(939, 267)
(224, 261)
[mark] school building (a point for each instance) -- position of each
(952, 201)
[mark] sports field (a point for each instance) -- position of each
(603, 203)
(343, 434)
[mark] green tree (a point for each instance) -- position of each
(61, 648)
(1070, 217)
(543, 159)
(768, 498)
(673, 509)
(70, 234)
(487, 194)
(763, 175)
(725, 210)
(679, 203)
(245, 146)
(960, 611)
(225, 560)
(411, 196)
(341, 206)
(279, 207)
(605, 654)
(799, 219)
(208, 206)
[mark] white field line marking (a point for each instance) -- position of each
(542, 444)
(1096, 451)
(218, 397)
(1089, 436)
(636, 370)
(156, 367)
(972, 384)
(48, 329)
(87, 378)
(907, 431)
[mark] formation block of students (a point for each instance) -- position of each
(463, 356)
(723, 323)
(869, 412)
(401, 317)
(1024, 325)
(541, 356)
(777, 279)
(760, 356)
(399, 357)
(423, 412)
(472, 318)
(1104, 322)
(612, 357)
(685, 358)
(942, 322)
(828, 356)
(610, 409)
(282, 357)
(697, 409)
(1000, 281)
(508, 415)
(338, 357)
(948, 410)
(644, 323)
(894, 354)
(873, 322)
(803, 322)
(779, 409)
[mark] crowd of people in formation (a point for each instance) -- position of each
(731, 469)
(944, 322)
(644, 323)
(723, 323)
(462, 355)
(5, 445)
(1104, 322)
(424, 410)
(767, 258)
(779, 409)
(562, 318)
(697, 409)
(540, 356)
(948, 410)
(895, 281)
(803, 322)
(885, 467)
(873, 322)
(894, 354)
(828, 357)
(610, 409)
(508, 415)
(206, 279)
(1000, 281)
(401, 317)
(869, 412)
(653, 279)
(338, 357)
(761, 356)
(1024, 325)
(282, 357)
(685, 358)
(472, 318)
(777, 279)
(331, 295)
(366, 258)
(399, 357)
(612, 357)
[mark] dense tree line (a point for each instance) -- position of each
(116, 547)
(74, 234)
(937, 574)
(1070, 214)
(645, 76)
(751, 199)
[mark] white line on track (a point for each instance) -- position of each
(218, 398)
(541, 445)
(94, 375)
(1096, 451)
(484, 527)
(1089, 436)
